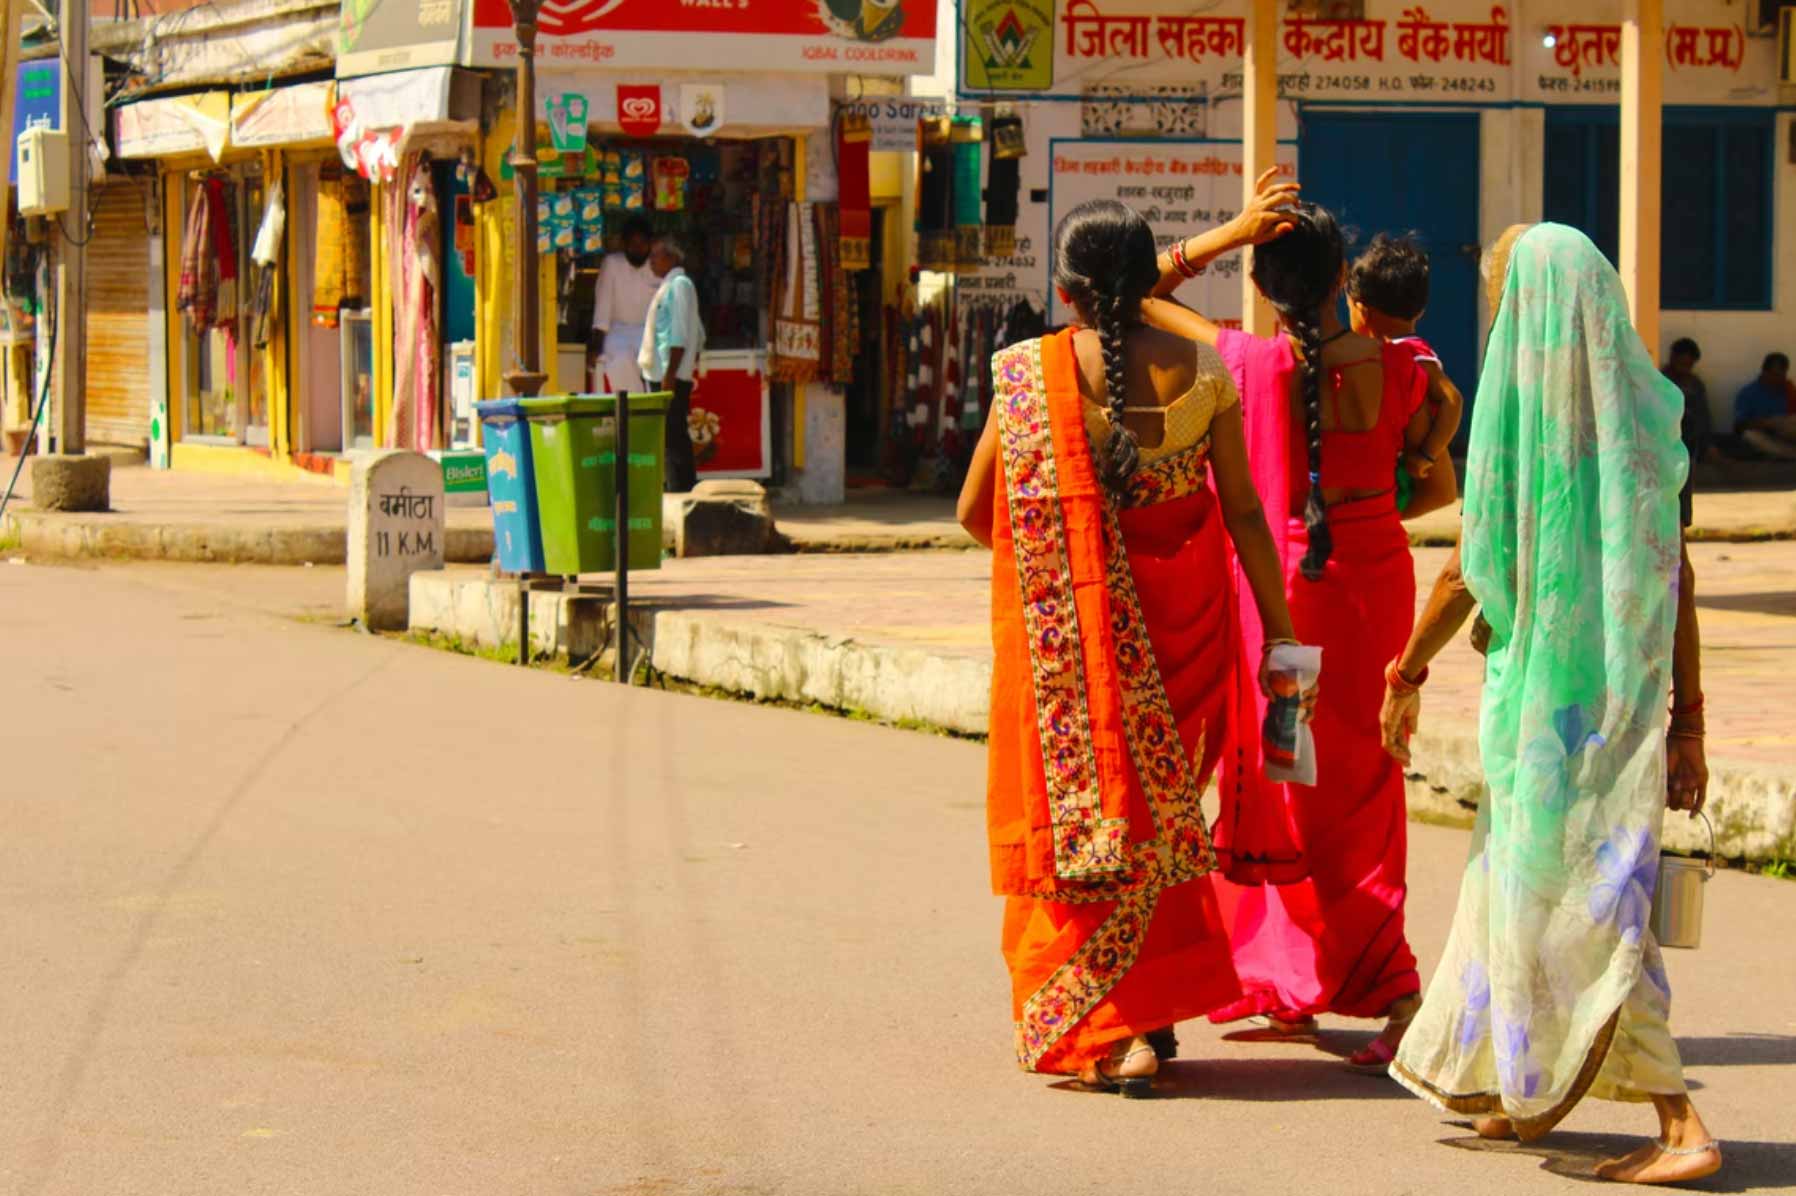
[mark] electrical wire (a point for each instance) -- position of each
(43, 401)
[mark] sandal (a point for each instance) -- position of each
(1270, 1027)
(1137, 1086)
(1375, 1058)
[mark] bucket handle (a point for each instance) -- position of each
(1709, 871)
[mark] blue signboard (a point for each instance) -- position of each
(38, 100)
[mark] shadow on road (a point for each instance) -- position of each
(1309, 1078)
(1733, 1050)
(1774, 602)
(1747, 1166)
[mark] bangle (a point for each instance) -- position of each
(1393, 677)
(1693, 708)
(1180, 262)
(1675, 733)
(1282, 642)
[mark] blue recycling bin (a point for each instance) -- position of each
(511, 484)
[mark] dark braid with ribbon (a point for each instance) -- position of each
(1298, 274)
(1105, 259)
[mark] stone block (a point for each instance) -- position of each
(724, 518)
(60, 483)
(396, 529)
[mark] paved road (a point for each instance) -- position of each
(287, 910)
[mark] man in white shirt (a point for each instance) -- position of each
(670, 350)
(620, 307)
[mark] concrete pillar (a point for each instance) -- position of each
(1259, 134)
(1642, 92)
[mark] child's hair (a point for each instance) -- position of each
(1105, 259)
(1391, 276)
(1298, 273)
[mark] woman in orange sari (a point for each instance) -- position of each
(1118, 672)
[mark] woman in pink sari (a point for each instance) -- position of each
(1315, 875)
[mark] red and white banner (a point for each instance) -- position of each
(862, 37)
(639, 109)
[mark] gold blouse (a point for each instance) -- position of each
(1186, 420)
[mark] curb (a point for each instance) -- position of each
(86, 537)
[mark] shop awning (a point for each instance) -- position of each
(412, 100)
(178, 125)
(296, 115)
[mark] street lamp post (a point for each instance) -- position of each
(525, 379)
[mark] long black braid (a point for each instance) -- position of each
(1106, 261)
(1297, 274)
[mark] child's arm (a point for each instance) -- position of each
(1448, 406)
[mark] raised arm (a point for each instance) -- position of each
(1263, 219)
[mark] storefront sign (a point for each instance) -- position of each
(639, 109)
(37, 97)
(862, 37)
(893, 119)
(383, 35)
(701, 108)
(1399, 51)
(181, 125)
(567, 121)
(282, 116)
(755, 102)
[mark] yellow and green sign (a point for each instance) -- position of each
(1009, 45)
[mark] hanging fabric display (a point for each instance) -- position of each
(854, 140)
(969, 216)
(196, 295)
(797, 336)
(414, 234)
(221, 220)
(265, 253)
(1003, 186)
(935, 194)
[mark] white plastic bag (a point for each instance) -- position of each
(1290, 749)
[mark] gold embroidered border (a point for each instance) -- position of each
(1076, 987)
(1185, 473)
(1085, 843)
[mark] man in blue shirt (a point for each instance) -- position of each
(1762, 415)
(674, 338)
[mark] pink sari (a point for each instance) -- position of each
(1314, 876)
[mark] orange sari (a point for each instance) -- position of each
(1117, 673)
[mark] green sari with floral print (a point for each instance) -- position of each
(1552, 986)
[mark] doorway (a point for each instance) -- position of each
(1409, 172)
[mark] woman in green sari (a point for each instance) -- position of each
(1552, 986)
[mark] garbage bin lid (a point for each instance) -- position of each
(499, 409)
(595, 406)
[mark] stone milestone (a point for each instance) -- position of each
(395, 530)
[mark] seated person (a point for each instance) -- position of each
(1762, 416)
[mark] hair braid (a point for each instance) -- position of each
(1121, 454)
(1307, 326)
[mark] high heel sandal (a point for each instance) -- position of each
(1133, 1087)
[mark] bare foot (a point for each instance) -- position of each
(1651, 1164)
(1494, 1127)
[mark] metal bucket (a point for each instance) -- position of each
(1677, 902)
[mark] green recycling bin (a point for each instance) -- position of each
(575, 448)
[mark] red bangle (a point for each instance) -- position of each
(1693, 708)
(1393, 677)
(1180, 262)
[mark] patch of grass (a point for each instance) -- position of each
(1779, 869)
(674, 685)
(504, 654)
(10, 540)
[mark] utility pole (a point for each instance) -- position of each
(71, 315)
(525, 379)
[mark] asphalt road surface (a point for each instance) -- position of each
(290, 910)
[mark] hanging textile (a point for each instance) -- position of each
(797, 335)
(854, 139)
(266, 256)
(331, 255)
(415, 235)
(1003, 186)
(969, 216)
(222, 223)
(935, 194)
(841, 324)
(196, 295)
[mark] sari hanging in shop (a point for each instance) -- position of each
(414, 234)
(854, 139)
(797, 352)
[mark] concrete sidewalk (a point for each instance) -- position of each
(227, 519)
